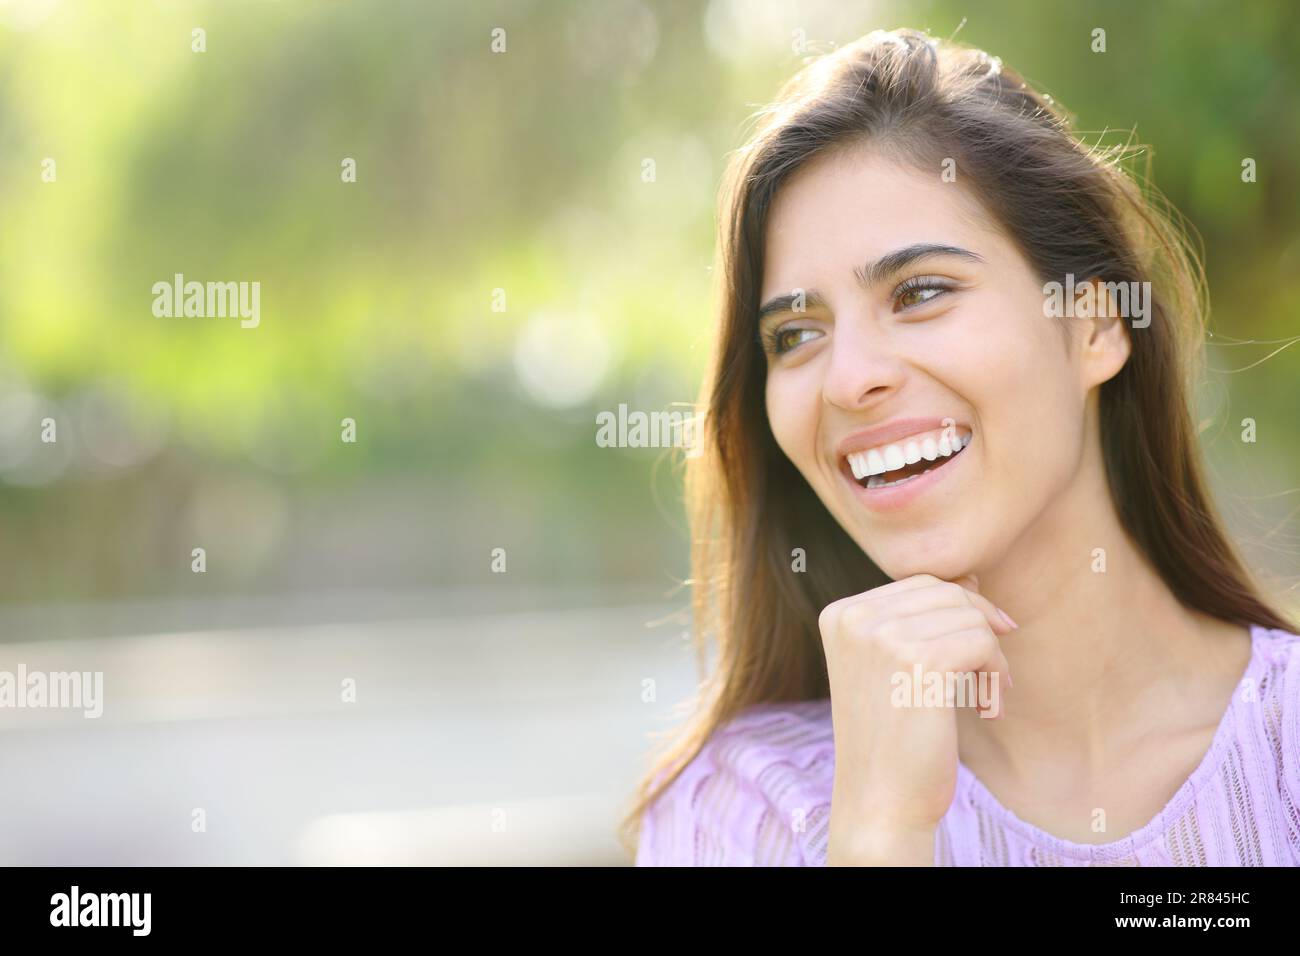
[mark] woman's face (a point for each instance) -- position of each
(942, 358)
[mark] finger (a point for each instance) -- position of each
(962, 643)
(939, 593)
(913, 582)
(966, 582)
(945, 595)
(969, 650)
(972, 583)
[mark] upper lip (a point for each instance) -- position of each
(892, 431)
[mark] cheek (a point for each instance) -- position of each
(1019, 380)
(792, 410)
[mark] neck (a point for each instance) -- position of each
(1101, 641)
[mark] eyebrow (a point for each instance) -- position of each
(883, 268)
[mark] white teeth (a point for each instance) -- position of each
(873, 463)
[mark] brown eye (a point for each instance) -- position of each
(918, 291)
(783, 340)
(916, 296)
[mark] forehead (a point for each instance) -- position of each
(842, 209)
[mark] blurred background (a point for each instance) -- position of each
(501, 594)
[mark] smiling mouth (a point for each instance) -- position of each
(891, 465)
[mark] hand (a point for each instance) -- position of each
(896, 766)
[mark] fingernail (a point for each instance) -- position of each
(1007, 617)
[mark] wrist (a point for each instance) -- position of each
(884, 845)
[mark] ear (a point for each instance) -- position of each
(1101, 331)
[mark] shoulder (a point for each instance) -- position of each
(1274, 692)
(1274, 681)
(757, 793)
(1278, 649)
(1271, 686)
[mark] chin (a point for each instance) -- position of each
(943, 561)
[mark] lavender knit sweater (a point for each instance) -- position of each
(759, 793)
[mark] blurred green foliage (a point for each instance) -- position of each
(477, 171)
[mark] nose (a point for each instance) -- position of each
(863, 368)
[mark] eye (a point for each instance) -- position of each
(919, 290)
(782, 340)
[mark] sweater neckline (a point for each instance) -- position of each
(1157, 825)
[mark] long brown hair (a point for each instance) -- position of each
(1069, 209)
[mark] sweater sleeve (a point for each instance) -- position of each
(757, 794)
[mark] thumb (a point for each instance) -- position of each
(970, 581)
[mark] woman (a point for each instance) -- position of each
(949, 437)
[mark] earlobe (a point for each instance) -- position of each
(1107, 346)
